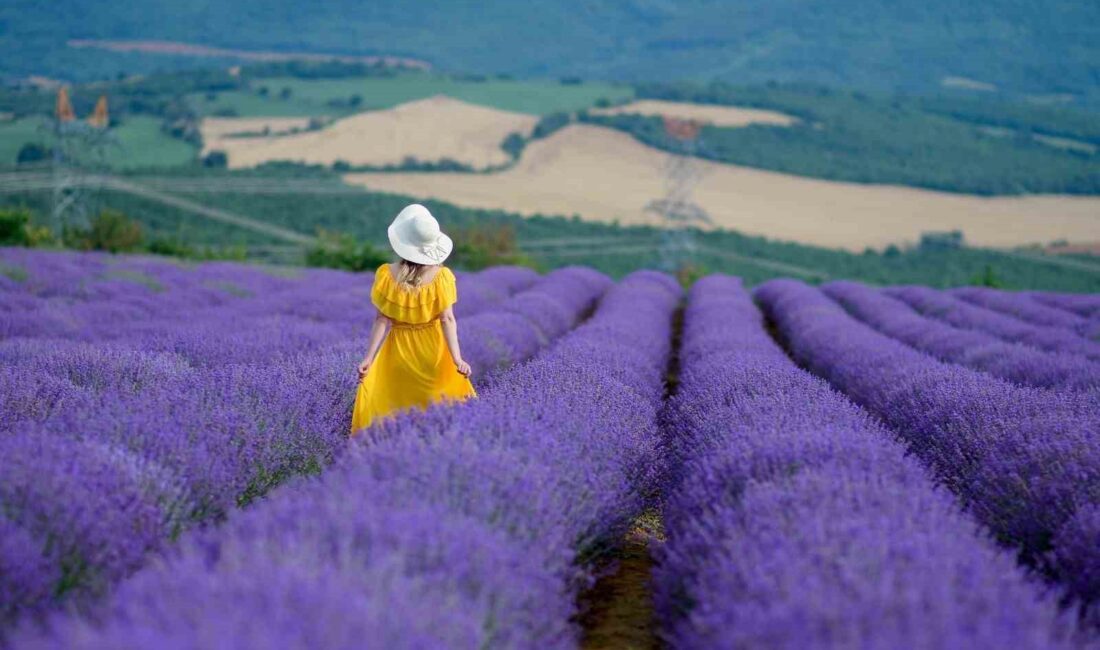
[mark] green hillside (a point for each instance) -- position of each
(943, 143)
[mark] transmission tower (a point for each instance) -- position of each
(79, 161)
(677, 212)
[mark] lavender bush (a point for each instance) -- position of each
(472, 528)
(1024, 461)
(797, 521)
(1082, 304)
(959, 313)
(1024, 307)
(118, 436)
(1015, 362)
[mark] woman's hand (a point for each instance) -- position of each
(363, 367)
(463, 367)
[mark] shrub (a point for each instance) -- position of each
(14, 225)
(339, 250)
(479, 247)
(110, 230)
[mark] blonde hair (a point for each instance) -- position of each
(410, 275)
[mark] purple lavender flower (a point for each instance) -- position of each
(471, 527)
(962, 314)
(1015, 362)
(796, 520)
(142, 397)
(1022, 460)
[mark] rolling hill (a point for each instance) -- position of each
(605, 175)
(1047, 49)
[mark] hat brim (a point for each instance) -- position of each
(436, 254)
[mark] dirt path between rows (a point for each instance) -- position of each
(618, 609)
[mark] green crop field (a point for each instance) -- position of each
(313, 96)
(142, 143)
(15, 133)
(138, 142)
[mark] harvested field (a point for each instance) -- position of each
(605, 175)
(216, 129)
(428, 130)
(731, 116)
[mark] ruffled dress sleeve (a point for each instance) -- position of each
(413, 306)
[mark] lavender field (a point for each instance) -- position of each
(842, 466)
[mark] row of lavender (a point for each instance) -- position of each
(1017, 362)
(1078, 313)
(209, 314)
(109, 450)
(1024, 460)
(795, 520)
(463, 527)
(962, 314)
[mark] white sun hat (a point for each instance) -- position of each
(415, 236)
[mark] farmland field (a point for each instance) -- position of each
(608, 176)
(848, 447)
(431, 129)
(139, 142)
(710, 114)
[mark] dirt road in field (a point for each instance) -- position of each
(605, 175)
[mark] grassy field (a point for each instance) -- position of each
(139, 143)
(142, 143)
(312, 96)
(15, 133)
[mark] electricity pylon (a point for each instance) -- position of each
(677, 212)
(79, 160)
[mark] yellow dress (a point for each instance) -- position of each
(413, 367)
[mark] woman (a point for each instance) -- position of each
(413, 358)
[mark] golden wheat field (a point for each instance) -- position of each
(429, 129)
(606, 175)
(728, 116)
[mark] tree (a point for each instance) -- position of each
(513, 144)
(548, 124)
(216, 159)
(32, 152)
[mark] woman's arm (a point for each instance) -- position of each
(378, 331)
(450, 332)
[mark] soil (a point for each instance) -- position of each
(618, 609)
